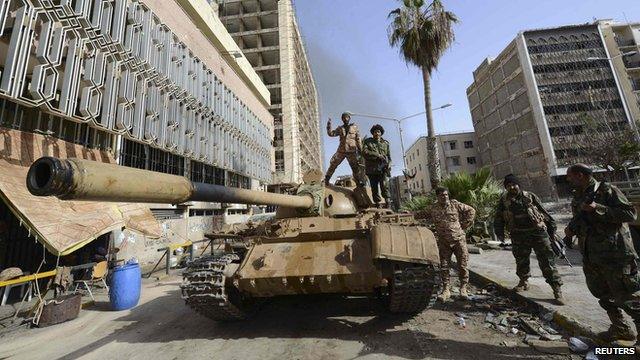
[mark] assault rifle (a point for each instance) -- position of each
(560, 249)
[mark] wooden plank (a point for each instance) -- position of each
(27, 278)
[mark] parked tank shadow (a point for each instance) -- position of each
(165, 319)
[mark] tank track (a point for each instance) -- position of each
(203, 288)
(414, 288)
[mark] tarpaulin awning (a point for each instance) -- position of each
(62, 226)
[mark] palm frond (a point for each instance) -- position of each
(422, 32)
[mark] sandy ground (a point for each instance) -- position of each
(162, 327)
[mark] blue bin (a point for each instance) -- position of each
(124, 292)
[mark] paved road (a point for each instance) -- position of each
(161, 327)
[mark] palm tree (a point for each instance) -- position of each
(423, 33)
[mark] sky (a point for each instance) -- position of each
(356, 70)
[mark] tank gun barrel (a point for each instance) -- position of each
(78, 179)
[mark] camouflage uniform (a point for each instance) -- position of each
(610, 262)
(450, 221)
(377, 159)
(529, 225)
(349, 148)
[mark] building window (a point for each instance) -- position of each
(420, 167)
(279, 160)
(452, 145)
(201, 172)
(417, 152)
(468, 144)
(143, 156)
(454, 160)
(471, 160)
(422, 184)
(278, 138)
(238, 181)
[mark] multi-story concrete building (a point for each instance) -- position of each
(268, 33)
(456, 151)
(528, 105)
(150, 85)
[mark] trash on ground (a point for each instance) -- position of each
(577, 345)
(591, 356)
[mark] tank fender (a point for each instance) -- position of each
(413, 244)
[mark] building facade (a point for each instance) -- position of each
(146, 84)
(457, 152)
(268, 33)
(529, 104)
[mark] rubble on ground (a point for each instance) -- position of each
(517, 320)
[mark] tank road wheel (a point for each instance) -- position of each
(209, 292)
(413, 288)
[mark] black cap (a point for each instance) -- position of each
(580, 168)
(377, 127)
(511, 179)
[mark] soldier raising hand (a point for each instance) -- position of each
(350, 148)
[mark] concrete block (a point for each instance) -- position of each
(506, 112)
(525, 122)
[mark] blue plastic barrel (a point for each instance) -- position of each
(125, 287)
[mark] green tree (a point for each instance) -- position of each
(423, 32)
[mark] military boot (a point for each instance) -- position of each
(464, 293)
(446, 293)
(557, 294)
(619, 332)
(523, 285)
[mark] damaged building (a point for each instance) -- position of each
(147, 84)
(528, 105)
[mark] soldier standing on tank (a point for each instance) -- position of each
(610, 263)
(530, 227)
(350, 148)
(451, 218)
(377, 160)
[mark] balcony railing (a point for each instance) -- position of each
(632, 64)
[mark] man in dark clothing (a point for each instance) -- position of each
(377, 158)
(530, 227)
(610, 263)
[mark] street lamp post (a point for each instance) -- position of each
(398, 122)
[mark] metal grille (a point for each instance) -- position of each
(114, 66)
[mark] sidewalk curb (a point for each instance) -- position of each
(568, 323)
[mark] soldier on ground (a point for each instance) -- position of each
(377, 159)
(350, 148)
(530, 227)
(451, 218)
(610, 263)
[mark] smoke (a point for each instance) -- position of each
(341, 88)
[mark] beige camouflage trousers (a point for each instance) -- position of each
(355, 161)
(459, 249)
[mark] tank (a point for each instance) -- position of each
(323, 239)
